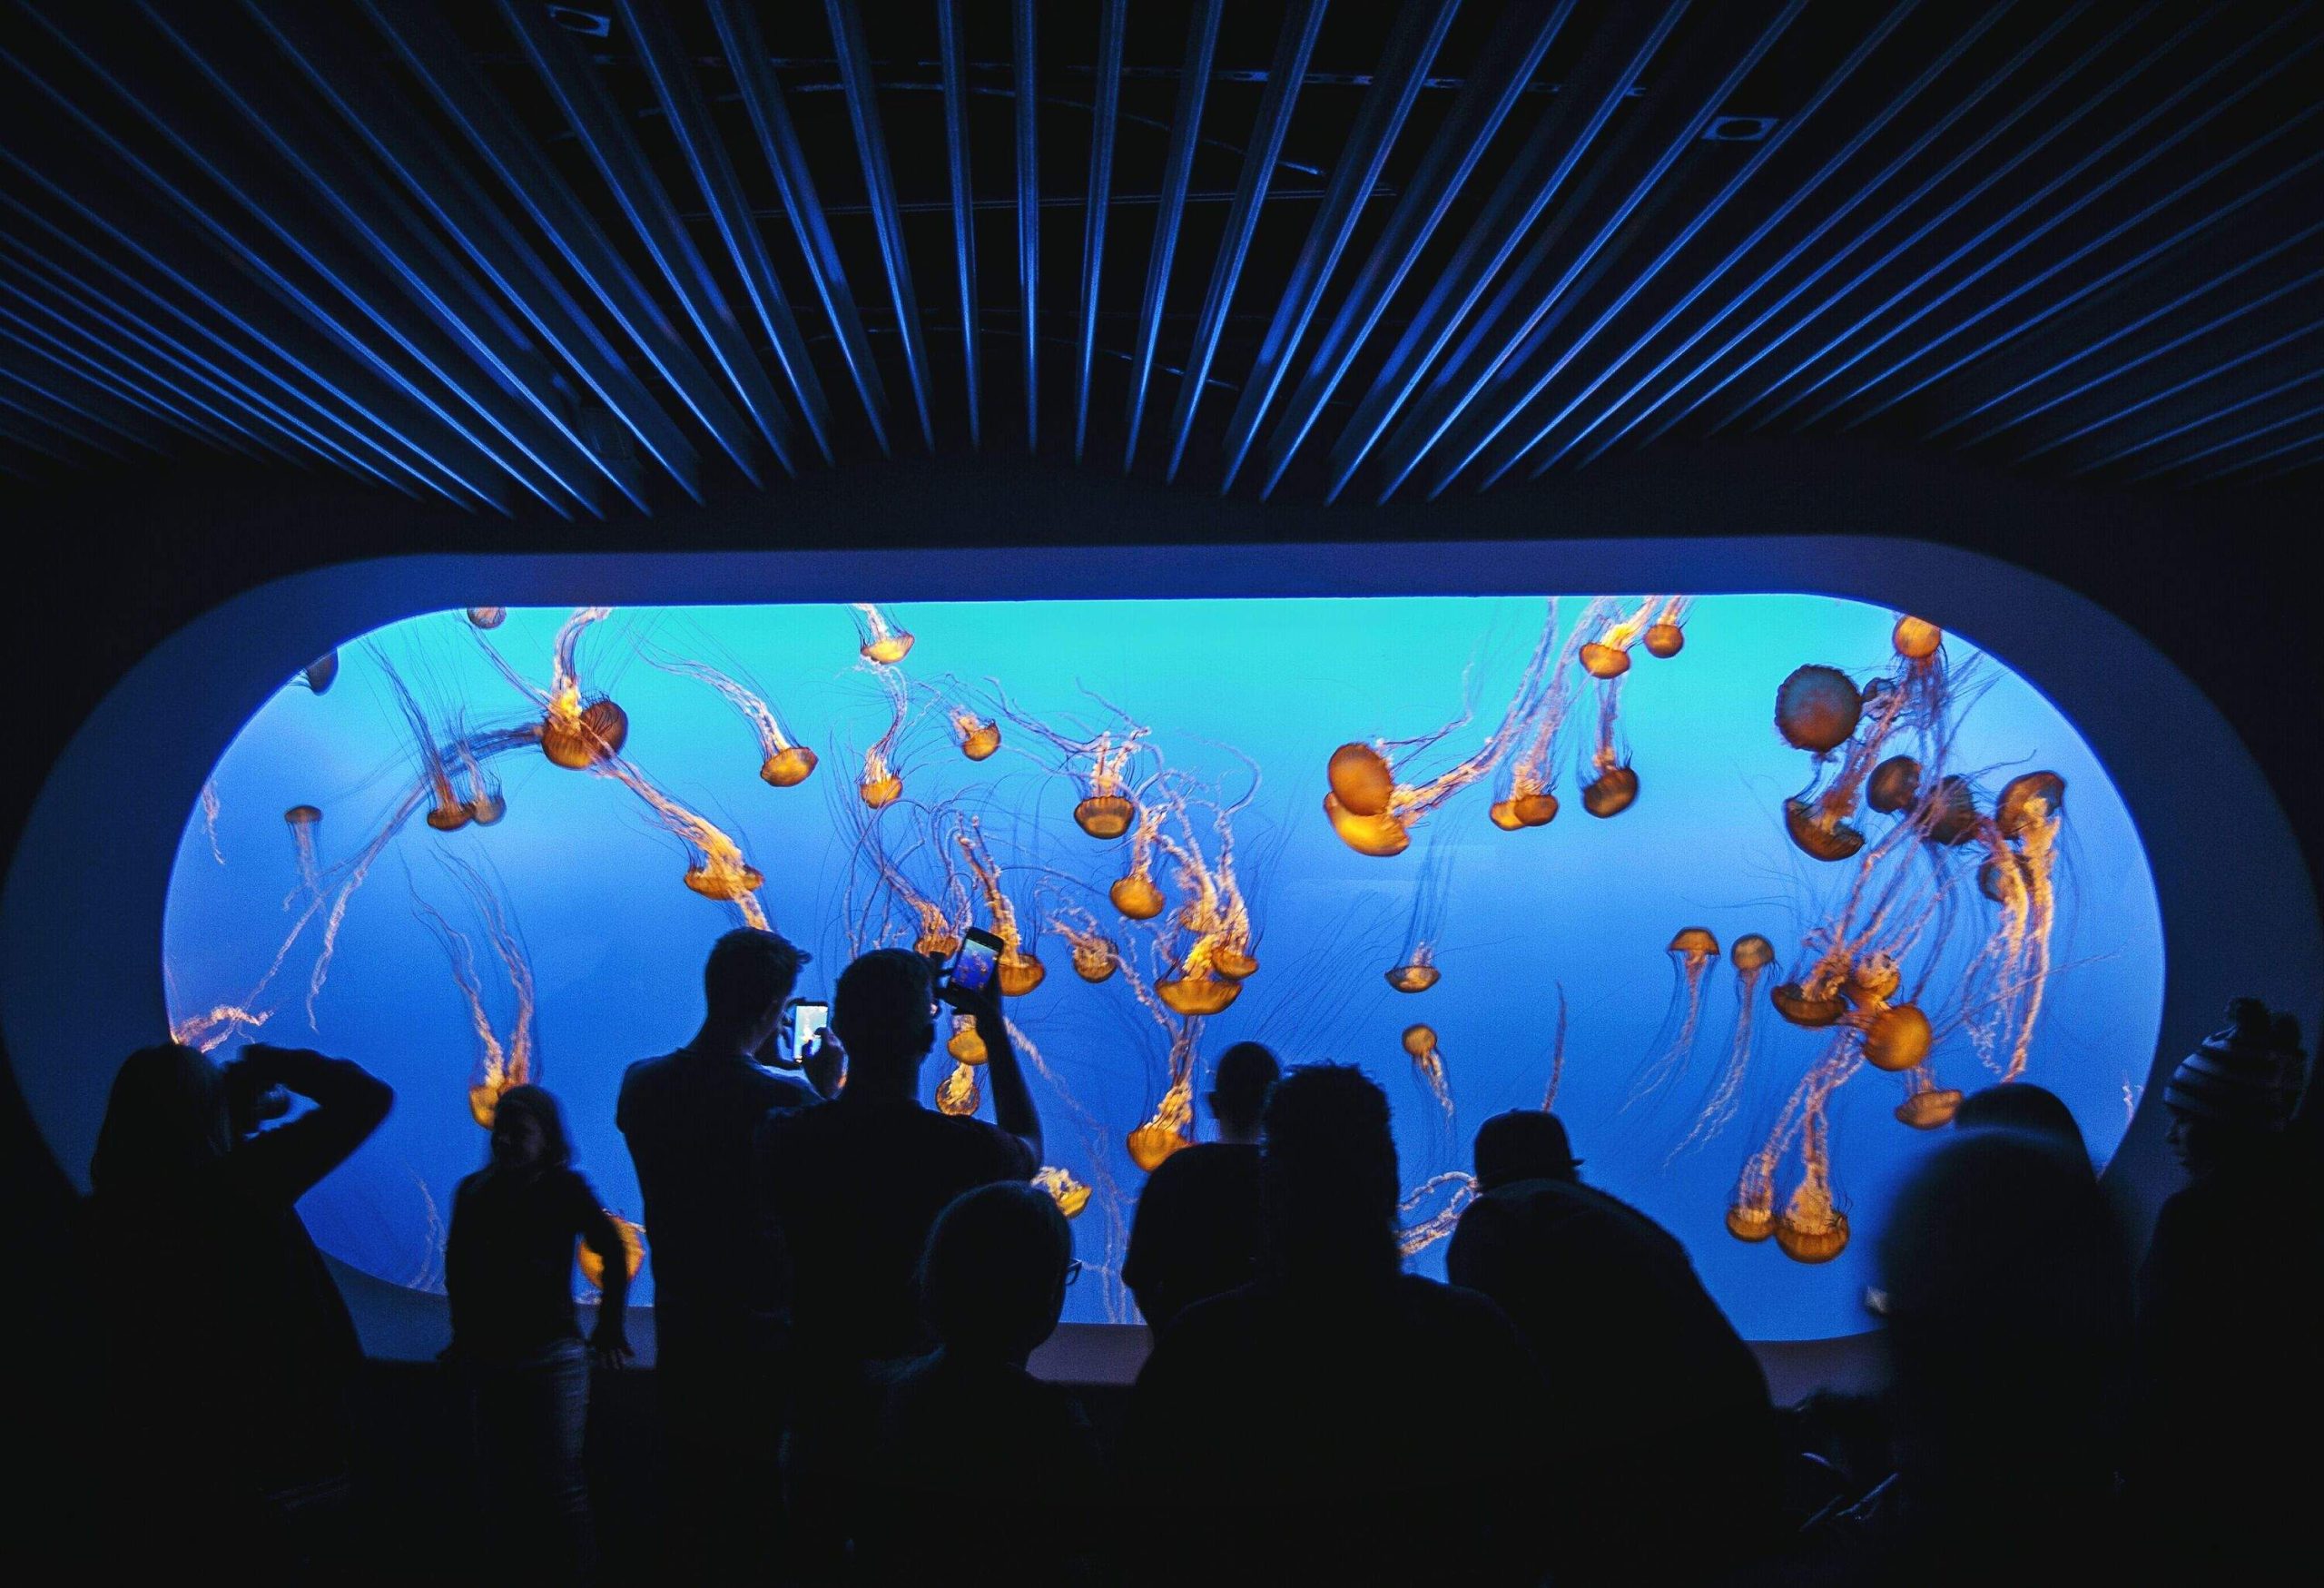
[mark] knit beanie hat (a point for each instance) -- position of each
(2246, 1074)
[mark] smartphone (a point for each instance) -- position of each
(807, 1023)
(974, 965)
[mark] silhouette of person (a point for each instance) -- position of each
(2020, 1105)
(508, 1271)
(850, 1190)
(965, 1430)
(689, 1118)
(1348, 1423)
(2229, 1401)
(1657, 1405)
(230, 1348)
(1196, 1229)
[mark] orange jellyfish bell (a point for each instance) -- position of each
(1664, 640)
(1604, 661)
(1752, 953)
(1096, 959)
(1137, 896)
(888, 649)
(1611, 792)
(1926, 1110)
(1380, 836)
(1897, 1039)
(633, 1252)
(1069, 1194)
(1362, 780)
(1019, 972)
(1949, 814)
(1803, 1008)
(321, 672)
(1873, 979)
(965, 1045)
(1232, 963)
(1694, 940)
(487, 807)
(881, 792)
(450, 817)
(579, 741)
(1816, 708)
(487, 617)
(1105, 816)
(1150, 1144)
(1748, 1222)
(1895, 785)
(1916, 639)
(1414, 978)
(1503, 815)
(1812, 1239)
(1820, 836)
(1536, 810)
(723, 884)
(789, 766)
(941, 945)
(2014, 812)
(304, 816)
(1196, 995)
(1419, 1040)
(484, 1102)
(978, 744)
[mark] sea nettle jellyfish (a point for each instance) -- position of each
(446, 812)
(579, 733)
(719, 871)
(487, 617)
(302, 821)
(2020, 874)
(960, 1092)
(633, 1252)
(977, 737)
(1018, 971)
(1666, 637)
(1608, 656)
(1926, 1104)
(1416, 969)
(1136, 894)
(321, 672)
(966, 1044)
(1417, 1230)
(1094, 957)
(1816, 708)
(883, 641)
(882, 783)
(1212, 921)
(1428, 1063)
(1166, 1132)
(1099, 763)
(1750, 955)
(501, 1062)
(1069, 1194)
(1693, 952)
(783, 763)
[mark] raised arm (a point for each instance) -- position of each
(1012, 1099)
(285, 1162)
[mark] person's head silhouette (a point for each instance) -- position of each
(529, 1131)
(1329, 1183)
(2020, 1105)
(884, 1012)
(1238, 1090)
(167, 1114)
(993, 1276)
(746, 982)
(2232, 1097)
(1523, 1144)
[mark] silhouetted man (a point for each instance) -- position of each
(851, 1189)
(1657, 1408)
(1346, 1422)
(691, 1118)
(1196, 1231)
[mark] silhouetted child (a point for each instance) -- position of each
(2225, 1464)
(1343, 1421)
(232, 1351)
(1657, 1408)
(1197, 1230)
(982, 1473)
(508, 1268)
(2020, 1105)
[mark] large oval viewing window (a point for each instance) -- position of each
(1752, 887)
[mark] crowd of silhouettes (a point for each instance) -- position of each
(851, 1285)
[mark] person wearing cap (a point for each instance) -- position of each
(2230, 1396)
(720, 1313)
(1656, 1404)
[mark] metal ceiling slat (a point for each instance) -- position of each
(1105, 120)
(1177, 170)
(2297, 444)
(426, 46)
(54, 411)
(954, 50)
(2247, 437)
(1506, 64)
(2210, 416)
(406, 148)
(1288, 71)
(139, 388)
(1419, 32)
(672, 72)
(2178, 388)
(861, 88)
(1023, 23)
(646, 204)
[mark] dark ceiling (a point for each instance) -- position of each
(545, 258)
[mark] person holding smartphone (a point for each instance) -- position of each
(849, 1191)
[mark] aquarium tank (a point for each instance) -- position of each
(1750, 890)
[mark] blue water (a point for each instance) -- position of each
(1581, 908)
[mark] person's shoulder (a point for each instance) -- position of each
(778, 1090)
(644, 1076)
(994, 1148)
(1451, 1306)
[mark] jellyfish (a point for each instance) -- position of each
(882, 783)
(2028, 801)
(1666, 637)
(1417, 974)
(1927, 1105)
(1069, 1194)
(302, 820)
(960, 1092)
(783, 763)
(1811, 1229)
(1094, 958)
(1099, 765)
(1693, 952)
(1136, 893)
(213, 1028)
(579, 733)
(1428, 1063)
(1416, 969)
(448, 812)
(1895, 785)
(1816, 708)
(2019, 872)
(321, 672)
(966, 1044)
(1607, 657)
(1750, 955)
(977, 736)
(1817, 819)
(501, 1063)
(883, 643)
(1416, 1234)
(1557, 1058)
(487, 617)
(1018, 971)
(487, 801)
(721, 872)
(210, 810)
(1166, 1132)
(1212, 915)
(1373, 812)
(633, 1251)
(1528, 798)
(1609, 784)
(1915, 639)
